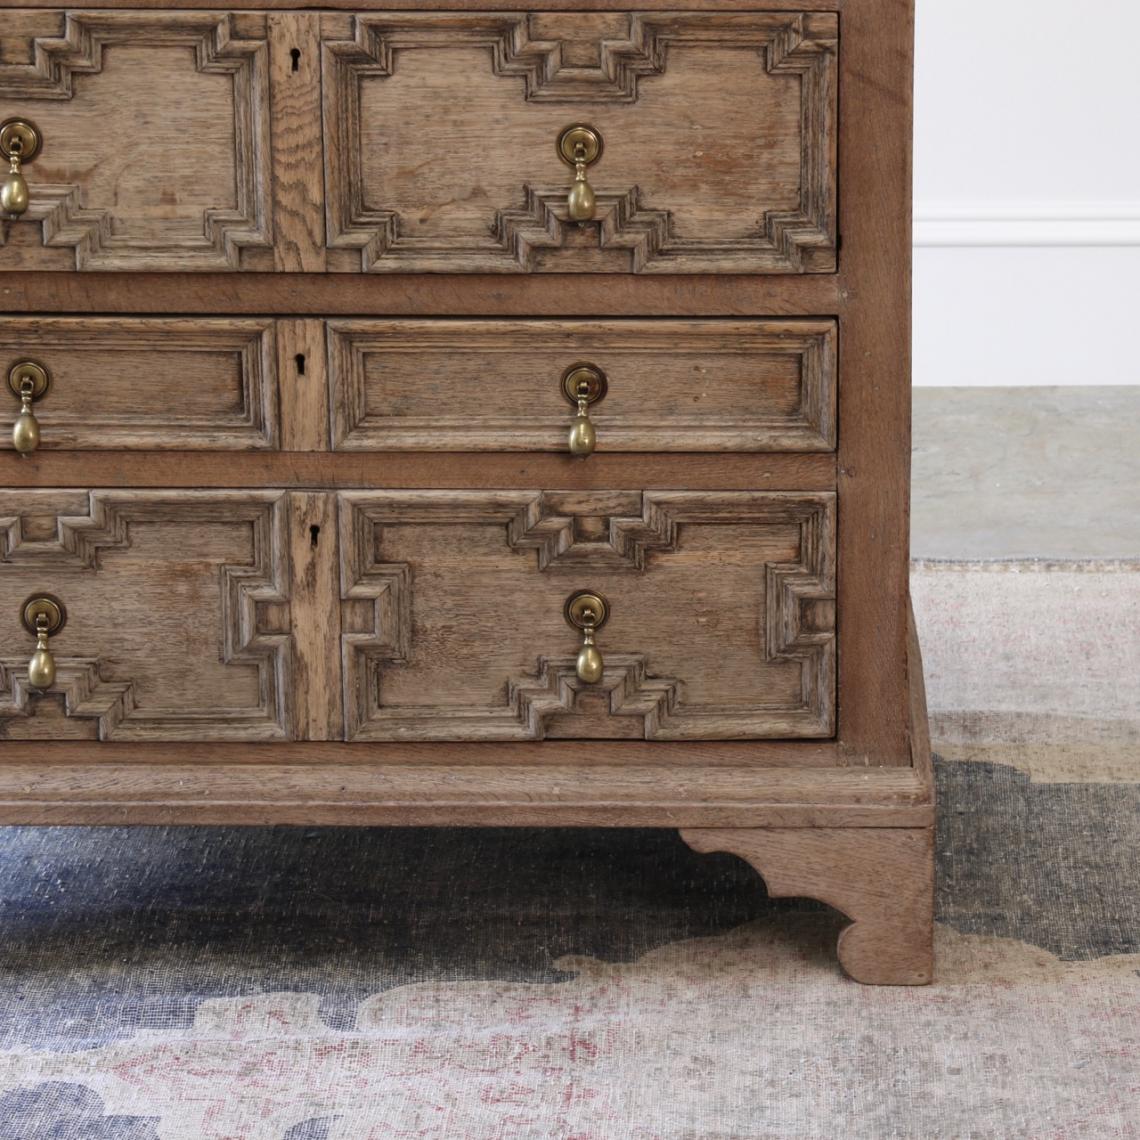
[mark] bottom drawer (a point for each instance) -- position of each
(199, 615)
(719, 622)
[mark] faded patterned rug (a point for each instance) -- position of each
(231, 984)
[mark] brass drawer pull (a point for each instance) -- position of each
(19, 143)
(579, 146)
(583, 385)
(43, 615)
(29, 382)
(588, 612)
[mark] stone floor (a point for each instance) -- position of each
(1030, 473)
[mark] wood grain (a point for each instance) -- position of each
(304, 384)
(177, 607)
(719, 131)
(515, 755)
(340, 784)
(298, 185)
(394, 469)
(875, 381)
(314, 617)
(470, 5)
(475, 295)
(124, 383)
(721, 619)
(882, 880)
(185, 187)
(672, 385)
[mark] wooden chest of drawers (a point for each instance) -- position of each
(449, 415)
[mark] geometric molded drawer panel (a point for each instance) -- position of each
(721, 614)
(155, 131)
(130, 383)
(719, 134)
(672, 385)
(177, 614)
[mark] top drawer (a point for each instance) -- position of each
(167, 135)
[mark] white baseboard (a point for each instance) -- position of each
(1034, 224)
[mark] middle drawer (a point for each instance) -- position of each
(220, 383)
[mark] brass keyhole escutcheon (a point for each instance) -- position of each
(20, 142)
(583, 385)
(28, 382)
(43, 616)
(588, 611)
(579, 146)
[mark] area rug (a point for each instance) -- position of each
(285, 984)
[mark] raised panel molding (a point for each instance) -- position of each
(799, 45)
(132, 410)
(253, 593)
(650, 406)
(583, 533)
(86, 696)
(100, 238)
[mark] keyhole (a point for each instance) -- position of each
(314, 534)
(295, 53)
(299, 360)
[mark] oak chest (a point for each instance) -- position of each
(455, 415)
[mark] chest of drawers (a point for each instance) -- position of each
(449, 415)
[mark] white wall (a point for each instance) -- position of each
(1027, 192)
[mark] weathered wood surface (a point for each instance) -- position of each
(883, 880)
(721, 128)
(436, 294)
(396, 469)
(185, 186)
(314, 613)
(719, 133)
(301, 356)
(507, 785)
(212, 383)
(721, 614)
(178, 622)
(470, 5)
(295, 100)
(124, 383)
(875, 381)
(497, 385)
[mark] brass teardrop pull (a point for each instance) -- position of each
(19, 144)
(587, 611)
(28, 382)
(583, 385)
(42, 616)
(579, 146)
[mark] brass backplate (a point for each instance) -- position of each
(579, 143)
(586, 609)
(27, 136)
(46, 606)
(584, 376)
(28, 371)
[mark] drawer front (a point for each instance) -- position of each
(177, 607)
(721, 614)
(717, 132)
(155, 129)
(124, 383)
(670, 385)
